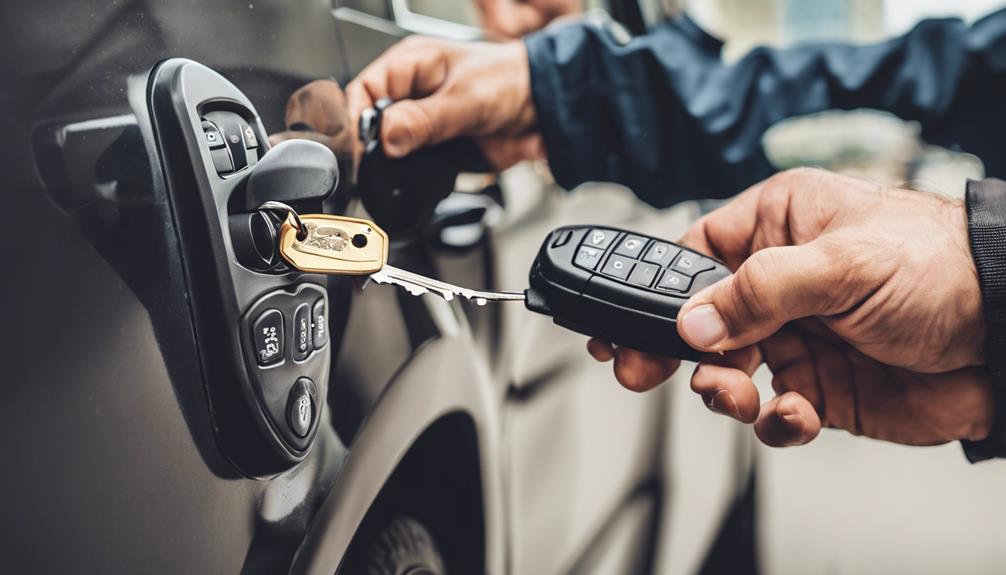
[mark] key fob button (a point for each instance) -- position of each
(600, 239)
(661, 254)
(562, 238)
(690, 264)
(588, 257)
(673, 281)
(631, 246)
(302, 344)
(644, 274)
(268, 336)
(618, 267)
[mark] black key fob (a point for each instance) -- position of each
(619, 286)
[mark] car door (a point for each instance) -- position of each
(582, 456)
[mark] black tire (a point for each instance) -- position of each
(404, 547)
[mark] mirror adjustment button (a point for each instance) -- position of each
(660, 254)
(690, 264)
(302, 344)
(588, 257)
(631, 246)
(320, 317)
(644, 274)
(212, 135)
(599, 239)
(673, 281)
(268, 337)
(222, 161)
(300, 408)
(618, 267)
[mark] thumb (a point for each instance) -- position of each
(408, 125)
(772, 287)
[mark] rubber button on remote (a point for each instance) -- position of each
(660, 254)
(599, 239)
(631, 246)
(673, 281)
(690, 264)
(644, 274)
(618, 267)
(588, 258)
(562, 238)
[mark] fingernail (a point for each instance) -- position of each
(396, 143)
(704, 326)
(723, 403)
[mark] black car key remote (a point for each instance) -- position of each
(619, 286)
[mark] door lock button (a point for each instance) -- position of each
(268, 336)
(300, 408)
(302, 344)
(320, 317)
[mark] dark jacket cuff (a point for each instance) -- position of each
(986, 207)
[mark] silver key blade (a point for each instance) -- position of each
(417, 284)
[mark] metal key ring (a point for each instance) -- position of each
(274, 206)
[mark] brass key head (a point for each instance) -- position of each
(337, 245)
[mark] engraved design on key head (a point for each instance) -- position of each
(334, 245)
(325, 238)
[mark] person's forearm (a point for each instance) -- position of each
(665, 116)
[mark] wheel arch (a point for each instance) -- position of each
(439, 410)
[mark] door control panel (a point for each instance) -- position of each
(262, 330)
(284, 361)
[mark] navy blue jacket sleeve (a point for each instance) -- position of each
(664, 115)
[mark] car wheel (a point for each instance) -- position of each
(404, 547)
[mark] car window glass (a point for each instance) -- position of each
(457, 11)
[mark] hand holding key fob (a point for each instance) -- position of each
(619, 286)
